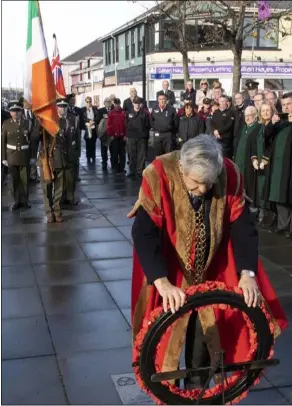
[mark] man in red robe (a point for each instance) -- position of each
(192, 224)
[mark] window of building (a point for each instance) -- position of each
(117, 49)
(156, 37)
(89, 75)
(113, 50)
(80, 75)
(88, 63)
(109, 52)
(133, 44)
(139, 41)
(127, 46)
(262, 37)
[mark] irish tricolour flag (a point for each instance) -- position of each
(39, 89)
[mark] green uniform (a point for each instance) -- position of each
(71, 127)
(52, 192)
(241, 153)
(16, 150)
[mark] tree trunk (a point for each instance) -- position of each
(237, 54)
(185, 63)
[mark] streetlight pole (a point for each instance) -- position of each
(144, 79)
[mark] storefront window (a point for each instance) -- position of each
(156, 37)
(278, 84)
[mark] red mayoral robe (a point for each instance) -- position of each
(163, 197)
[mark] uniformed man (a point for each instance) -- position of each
(252, 88)
(4, 169)
(70, 124)
(77, 111)
(53, 161)
(164, 123)
(16, 153)
(28, 115)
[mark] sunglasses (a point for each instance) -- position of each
(88, 101)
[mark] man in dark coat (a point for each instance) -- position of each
(4, 169)
(103, 113)
(76, 111)
(16, 153)
(238, 117)
(222, 125)
(191, 125)
(128, 103)
(164, 122)
(168, 93)
(278, 186)
(138, 126)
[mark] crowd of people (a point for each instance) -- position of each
(254, 129)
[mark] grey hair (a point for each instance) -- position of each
(202, 155)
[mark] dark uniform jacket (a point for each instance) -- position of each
(223, 121)
(138, 124)
(165, 121)
(128, 105)
(16, 139)
(66, 147)
(77, 111)
(5, 115)
(169, 94)
(190, 127)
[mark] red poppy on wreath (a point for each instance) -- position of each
(229, 381)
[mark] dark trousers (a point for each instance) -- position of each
(137, 151)
(118, 154)
(196, 351)
(104, 154)
(90, 144)
(162, 144)
(227, 147)
(19, 178)
(52, 193)
(33, 172)
(71, 173)
(284, 217)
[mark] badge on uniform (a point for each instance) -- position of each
(166, 113)
(130, 115)
(156, 134)
(156, 111)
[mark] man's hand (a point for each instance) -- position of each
(255, 164)
(5, 163)
(217, 135)
(250, 290)
(170, 294)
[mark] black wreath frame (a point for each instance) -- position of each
(253, 369)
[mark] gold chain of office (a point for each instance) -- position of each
(195, 227)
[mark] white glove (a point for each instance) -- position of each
(32, 161)
(255, 164)
(5, 163)
(262, 166)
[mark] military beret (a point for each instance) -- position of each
(62, 102)
(251, 84)
(70, 96)
(14, 105)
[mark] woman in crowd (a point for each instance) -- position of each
(260, 151)
(205, 108)
(190, 125)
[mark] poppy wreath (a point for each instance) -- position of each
(218, 296)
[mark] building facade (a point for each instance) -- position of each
(265, 60)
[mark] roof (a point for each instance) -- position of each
(92, 49)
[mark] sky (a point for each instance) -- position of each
(75, 23)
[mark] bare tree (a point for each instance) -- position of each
(224, 22)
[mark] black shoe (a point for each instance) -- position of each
(27, 205)
(131, 175)
(277, 231)
(73, 202)
(104, 168)
(15, 206)
(288, 235)
(78, 179)
(66, 202)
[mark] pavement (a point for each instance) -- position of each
(66, 335)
